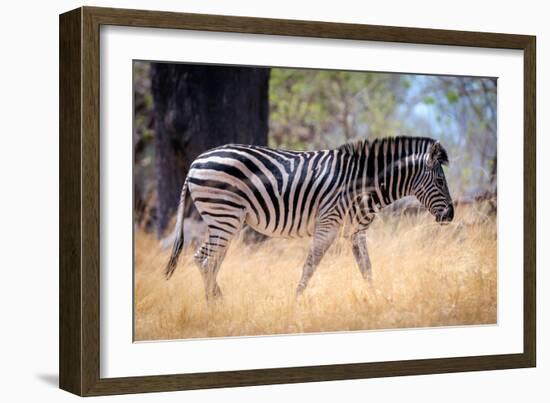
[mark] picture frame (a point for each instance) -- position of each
(80, 153)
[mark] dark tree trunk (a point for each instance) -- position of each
(198, 107)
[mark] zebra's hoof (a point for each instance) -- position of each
(214, 295)
(217, 294)
(368, 277)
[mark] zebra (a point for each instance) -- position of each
(296, 194)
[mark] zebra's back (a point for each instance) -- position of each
(279, 191)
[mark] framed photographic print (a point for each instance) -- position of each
(249, 201)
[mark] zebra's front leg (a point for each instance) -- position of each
(359, 247)
(322, 239)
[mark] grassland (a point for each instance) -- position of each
(424, 275)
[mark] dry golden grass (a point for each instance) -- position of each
(424, 275)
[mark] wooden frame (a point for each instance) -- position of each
(79, 201)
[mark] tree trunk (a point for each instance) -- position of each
(198, 107)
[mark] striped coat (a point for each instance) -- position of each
(315, 194)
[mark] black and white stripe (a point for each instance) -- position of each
(308, 194)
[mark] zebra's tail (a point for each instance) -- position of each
(177, 235)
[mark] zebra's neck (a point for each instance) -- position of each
(398, 180)
(387, 169)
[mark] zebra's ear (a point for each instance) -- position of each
(437, 154)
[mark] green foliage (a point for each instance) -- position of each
(429, 100)
(310, 109)
(452, 97)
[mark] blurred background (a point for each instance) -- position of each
(182, 110)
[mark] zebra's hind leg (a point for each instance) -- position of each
(207, 267)
(359, 248)
(322, 239)
(209, 258)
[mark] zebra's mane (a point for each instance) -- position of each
(354, 147)
(365, 146)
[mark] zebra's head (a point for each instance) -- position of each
(431, 188)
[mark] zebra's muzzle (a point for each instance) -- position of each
(446, 215)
